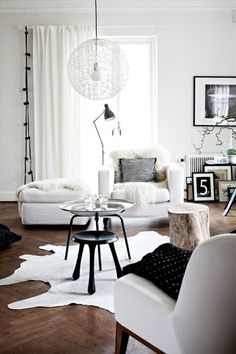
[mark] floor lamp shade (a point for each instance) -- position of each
(108, 115)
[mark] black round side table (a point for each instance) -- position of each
(93, 239)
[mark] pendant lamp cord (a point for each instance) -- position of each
(96, 20)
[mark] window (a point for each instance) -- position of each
(134, 104)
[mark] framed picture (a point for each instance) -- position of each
(189, 188)
(214, 101)
(230, 192)
(203, 186)
(221, 173)
(223, 189)
(231, 200)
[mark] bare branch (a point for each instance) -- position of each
(208, 130)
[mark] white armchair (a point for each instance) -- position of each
(201, 321)
(151, 194)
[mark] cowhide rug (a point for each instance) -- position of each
(53, 269)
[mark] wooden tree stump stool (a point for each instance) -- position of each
(189, 224)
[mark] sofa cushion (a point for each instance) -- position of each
(142, 193)
(35, 195)
(137, 170)
(165, 267)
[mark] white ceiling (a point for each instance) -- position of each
(131, 5)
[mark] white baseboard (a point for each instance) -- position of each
(7, 196)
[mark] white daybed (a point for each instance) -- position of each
(39, 201)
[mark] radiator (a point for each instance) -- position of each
(195, 162)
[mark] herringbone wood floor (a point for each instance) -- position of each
(74, 328)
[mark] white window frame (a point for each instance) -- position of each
(140, 34)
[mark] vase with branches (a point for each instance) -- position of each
(224, 123)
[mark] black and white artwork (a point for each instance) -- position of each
(214, 101)
(203, 186)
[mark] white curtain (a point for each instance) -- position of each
(57, 118)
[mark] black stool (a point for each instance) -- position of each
(93, 239)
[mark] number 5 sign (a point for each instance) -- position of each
(203, 186)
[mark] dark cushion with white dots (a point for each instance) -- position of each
(165, 267)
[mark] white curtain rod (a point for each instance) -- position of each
(102, 26)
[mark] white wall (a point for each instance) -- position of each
(189, 43)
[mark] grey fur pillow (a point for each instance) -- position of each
(138, 170)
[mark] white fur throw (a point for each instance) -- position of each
(141, 193)
(57, 183)
(161, 154)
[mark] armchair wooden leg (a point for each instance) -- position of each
(122, 338)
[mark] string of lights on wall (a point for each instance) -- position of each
(28, 173)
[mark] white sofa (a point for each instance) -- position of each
(38, 202)
(151, 199)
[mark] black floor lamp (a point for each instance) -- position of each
(108, 115)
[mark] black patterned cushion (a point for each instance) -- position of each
(7, 237)
(137, 170)
(165, 267)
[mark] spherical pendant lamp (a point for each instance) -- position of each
(98, 69)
